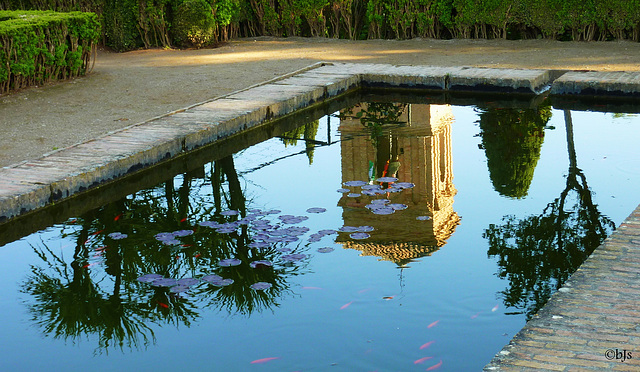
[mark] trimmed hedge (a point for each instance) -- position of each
(38, 47)
(131, 24)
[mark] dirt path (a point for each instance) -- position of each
(132, 87)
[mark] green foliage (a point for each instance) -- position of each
(131, 24)
(194, 24)
(39, 47)
(512, 140)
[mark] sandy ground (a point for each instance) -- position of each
(128, 88)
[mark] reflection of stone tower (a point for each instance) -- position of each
(423, 149)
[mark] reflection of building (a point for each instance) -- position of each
(423, 148)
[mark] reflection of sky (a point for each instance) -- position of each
(452, 285)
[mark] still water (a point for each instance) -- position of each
(464, 221)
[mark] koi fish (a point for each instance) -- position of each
(264, 360)
(435, 366)
(345, 305)
(88, 265)
(97, 232)
(197, 255)
(101, 248)
(388, 298)
(433, 324)
(184, 219)
(475, 315)
(421, 360)
(163, 305)
(424, 346)
(364, 290)
(117, 217)
(494, 308)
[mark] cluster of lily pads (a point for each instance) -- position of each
(267, 232)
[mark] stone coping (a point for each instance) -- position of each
(34, 184)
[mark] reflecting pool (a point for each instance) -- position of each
(392, 235)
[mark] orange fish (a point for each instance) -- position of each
(117, 217)
(97, 232)
(345, 305)
(433, 324)
(388, 297)
(264, 360)
(184, 219)
(435, 366)
(475, 315)
(197, 255)
(163, 305)
(422, 360)
(494, 308)
(424, 346)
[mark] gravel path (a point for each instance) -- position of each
(128, 88)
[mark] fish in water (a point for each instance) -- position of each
(435, 366)
(424, 346)
(433, 324)
(494, 308)
(264, 360)
(345, 305)
(421, 360)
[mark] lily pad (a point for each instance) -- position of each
(164, 282)
(180, 233)
(230, 213)
(354, 183)
(117, 236)
(344, 191)
(423, 218)
(294, 257)
(260, 263)
(359, 235)
(316, 210)
(386, 179)
(260, 286)
(148, 278)
(229, 262)
(325, 250)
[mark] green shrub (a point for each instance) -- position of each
(194, 24)
(38, 47)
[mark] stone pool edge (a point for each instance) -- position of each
(34, 184)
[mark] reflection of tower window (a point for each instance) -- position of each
(417, 150)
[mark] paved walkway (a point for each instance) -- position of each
(593, 321)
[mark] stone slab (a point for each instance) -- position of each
(611, 83)
(500, 80)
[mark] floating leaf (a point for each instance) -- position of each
(188, 281)
(383, 211)
(397, 206)
(359, 235)
(354, 195)
(117, 236)
(229, 262)
(423, 218)
(325, 250)
(294, 257)
(148, 278)
(386, 179)
(230, 213)
(344, 191)
(348, 229)
(180, 233)
(260, 286)
(365, 228)
(179, 289)
(164, 282)
(316, 210)
(260, 263)
(354, 183)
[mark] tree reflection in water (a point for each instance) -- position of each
(96, 294)
(538, 253)
(512, 139)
